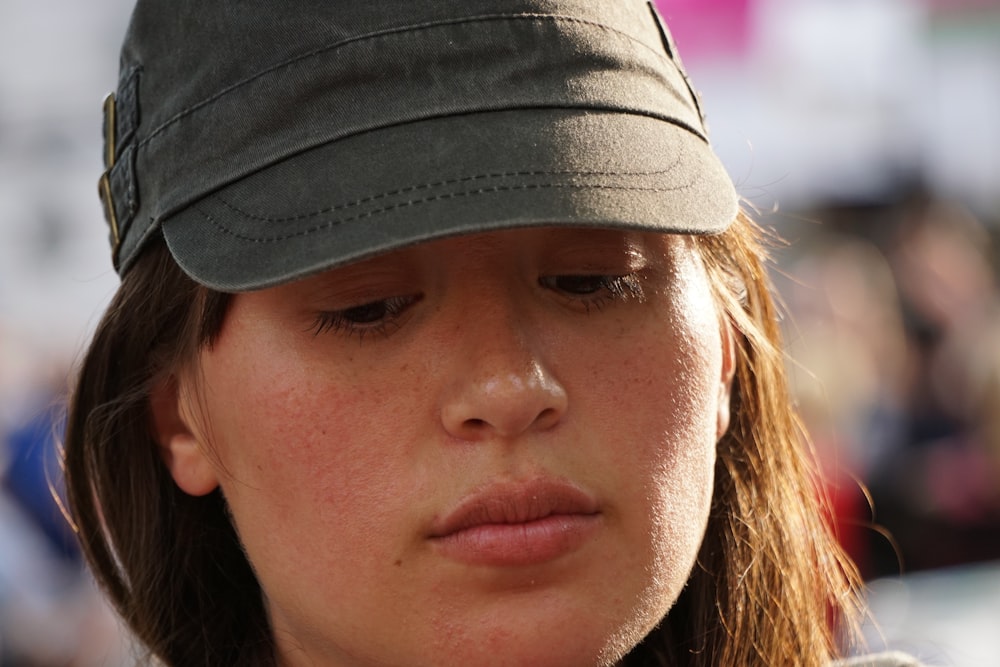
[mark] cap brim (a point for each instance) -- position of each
(380, 191)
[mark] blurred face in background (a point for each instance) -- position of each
(490, 449)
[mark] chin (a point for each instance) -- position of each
(558, 652)
(590, 640)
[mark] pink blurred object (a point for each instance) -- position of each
(708, 29)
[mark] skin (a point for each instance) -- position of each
(344, 415)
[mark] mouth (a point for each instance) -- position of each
(517, 524)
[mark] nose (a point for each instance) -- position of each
(501, 385)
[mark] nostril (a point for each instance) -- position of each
(547, 417)
(476, 424)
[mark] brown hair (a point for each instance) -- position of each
(171, 563)
(770, 584)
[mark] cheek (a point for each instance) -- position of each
(664, 402)
(306, 463)
(663, 378)
(677, 456)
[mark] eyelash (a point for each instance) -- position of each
(352, 321)
(598, 290)
(382, 317)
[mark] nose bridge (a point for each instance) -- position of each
(502, 383)
(499, 334)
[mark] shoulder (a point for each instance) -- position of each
(889, 659)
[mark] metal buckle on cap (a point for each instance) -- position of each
(104, 184)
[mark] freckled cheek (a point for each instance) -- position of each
(667, 379)
(661, 398)
(674, 437)
(303, 450)
(675, 455)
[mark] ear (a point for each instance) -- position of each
(180, 446)
(728, 338)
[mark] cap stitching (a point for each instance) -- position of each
(426, 186)
(379, 35)
(416, 202)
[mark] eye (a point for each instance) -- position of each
(368, 313)
(381, 317)
(594, 290)
(579, 284)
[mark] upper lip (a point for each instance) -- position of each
(514, 502)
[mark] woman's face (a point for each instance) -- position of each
(488, 450)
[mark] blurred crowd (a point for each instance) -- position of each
(894, 337)
(51, 613)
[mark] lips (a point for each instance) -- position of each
(517, 523)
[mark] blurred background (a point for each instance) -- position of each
(865, 132)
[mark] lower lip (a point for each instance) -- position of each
(519, 544)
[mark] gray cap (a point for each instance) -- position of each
(270, 140)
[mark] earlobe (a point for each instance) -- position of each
(728, 338)
(180, 446)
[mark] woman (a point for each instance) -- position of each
(440, 340)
